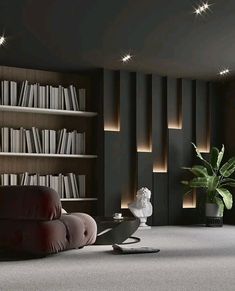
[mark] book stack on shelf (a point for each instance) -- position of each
(67, 186)
(46, 141)
(38, 96)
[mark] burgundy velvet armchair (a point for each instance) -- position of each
(31, 222)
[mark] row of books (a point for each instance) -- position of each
(46, 141)
(35, 95)
(67, 186)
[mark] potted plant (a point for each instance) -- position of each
(214, 179)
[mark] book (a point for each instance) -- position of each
(29, 141)
(25, 94)
(13, 93)
(30, 97)
(35, 140)
(69, 143)
(72, 98)
(67, 187)
(6, 95)
(82, 99)
(52, 138)
(81, 179)
(67, 99)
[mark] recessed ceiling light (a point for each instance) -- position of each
(126, 58)
(224, 72)
(202, 8)
(2, 40)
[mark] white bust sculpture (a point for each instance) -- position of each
(142, 207)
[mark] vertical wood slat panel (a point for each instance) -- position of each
(159, 124)
(175, 162)
(128, 137)
(143, 113)
(112, 150)
(111, 101)
(98, 93)
(160, 199)
(202, 117)
(175, 149)
(216, 115)
(159, 149)
(143, 133)
(188, 105)
(144, 174)
(174, 103)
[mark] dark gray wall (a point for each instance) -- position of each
(146, 152)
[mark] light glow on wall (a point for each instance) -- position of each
(204, 149)
(175, 125)
(144, 149)
(111, 128)
(160, 169)
(115, 127)
(190, 200)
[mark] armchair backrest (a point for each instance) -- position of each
(29, 203)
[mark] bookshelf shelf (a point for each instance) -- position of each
(78, 199)
(8, 154)
(9, 108)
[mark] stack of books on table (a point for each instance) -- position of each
(46, 141)
(38, 96)
(66, 185)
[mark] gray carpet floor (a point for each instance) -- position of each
(191, 258)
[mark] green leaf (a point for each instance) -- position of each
(227, 197)
(199, 182)
(208, 165)
(214, 157)
(220, 203)
(189, 191)
(228, 168)
(185, 182)
(212, 183)
(186, 168)
(227, 182)
(199, 171)
(230, 184)
(220, 157)
(197, 151)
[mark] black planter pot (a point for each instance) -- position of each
(214, 217)
(214, 221)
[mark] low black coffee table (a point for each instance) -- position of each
(115, 231)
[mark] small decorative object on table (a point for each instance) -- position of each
(142, 207)
(214, 180)
(117, 216)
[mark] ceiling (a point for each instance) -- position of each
(165, 37)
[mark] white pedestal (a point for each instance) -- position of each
(143, 224)
(144, 227)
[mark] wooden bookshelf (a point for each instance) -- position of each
(46, 111)
(55, 119)
(78, 199)
(68, 156)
